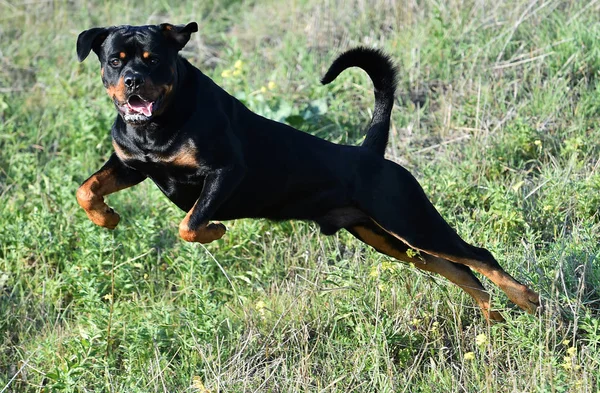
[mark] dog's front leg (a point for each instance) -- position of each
(112, 177)
(218, 186)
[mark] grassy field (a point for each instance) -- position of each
(497, 116)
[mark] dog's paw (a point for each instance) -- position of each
(525, 298)
(106, 218)
(204, 234)
(95, 208)
(533, 301)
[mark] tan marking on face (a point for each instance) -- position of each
(122, 55)
(167, 90)
(117, 92)
(145, 55)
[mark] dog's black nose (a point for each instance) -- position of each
(133, 81)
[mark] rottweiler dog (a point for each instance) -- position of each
(217, 160)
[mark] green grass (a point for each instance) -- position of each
(506, 146)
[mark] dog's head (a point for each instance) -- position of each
(139, 65)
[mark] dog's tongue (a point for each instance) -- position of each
(136, 104)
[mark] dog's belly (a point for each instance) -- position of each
(307, 202)
(302, 202)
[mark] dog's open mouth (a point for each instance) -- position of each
(136, 104)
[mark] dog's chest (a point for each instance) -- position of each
(179, 161)
(184, 155)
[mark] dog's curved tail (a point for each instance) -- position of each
(383, 73)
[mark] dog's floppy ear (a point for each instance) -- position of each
(91, 39)
(179, 34)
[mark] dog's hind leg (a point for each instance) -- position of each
(398, 205)
(460, 275)
(482, 261)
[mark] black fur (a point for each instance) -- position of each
(383, 73)
(217, 160)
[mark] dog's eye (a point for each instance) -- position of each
(115, 62)
(153, 61)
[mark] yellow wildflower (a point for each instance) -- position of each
(567, 363)
(237, 72)
(238, 65)
(481, 340)
(260, 305)
(411, 253)
(271, 85)
(469, 356)
(388, 266)
(199, 385)
(572, 351)
(374, 272)
(226, 73)
(263, 89)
